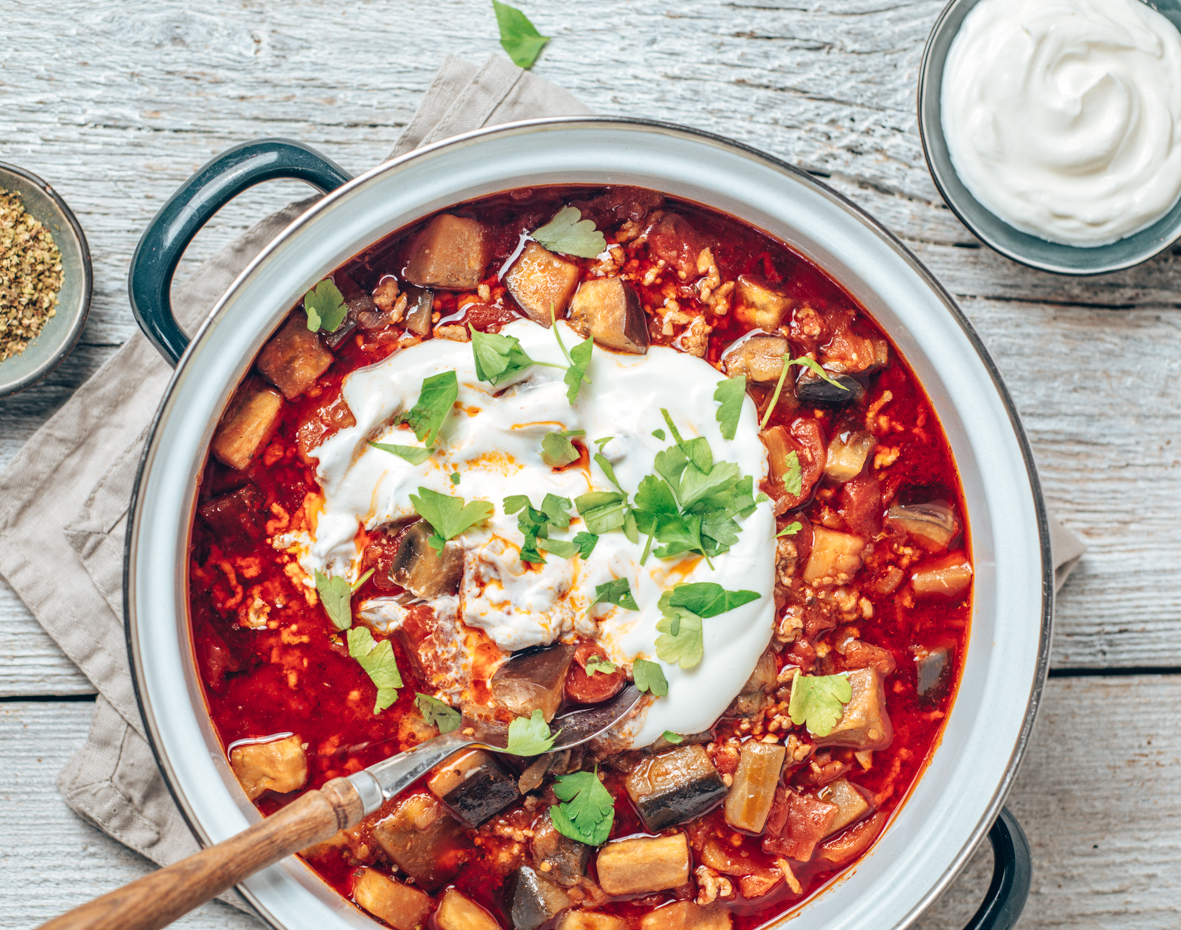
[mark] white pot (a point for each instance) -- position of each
(960, 794)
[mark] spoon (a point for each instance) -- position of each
(160, 898)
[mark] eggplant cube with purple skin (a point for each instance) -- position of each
(674, 787)
(474, 787)
(450, 253)
(609, 311)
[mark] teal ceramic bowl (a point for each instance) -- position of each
(988, 227)
(61, 332)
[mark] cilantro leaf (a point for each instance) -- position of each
(436, 713)
(790, 530)
(793, 481)
(819, 701)
(730, 395)
(448, 516)
(586, 543)
(557, 450)
(377, 659)
(535, 526)
(324, 304)
(601, 511)
(580, 357)
(439, 392)
(674, 738)
(596, 664)
(335, 594)
(588, 809)
(415, 455)
(707, 599)
(530, 736)
(518, 36)
(649, 676)
(570, 234)
(618, 592)
(499, 357)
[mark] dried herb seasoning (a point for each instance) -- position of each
(30, 276)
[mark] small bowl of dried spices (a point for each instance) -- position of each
(45, 279)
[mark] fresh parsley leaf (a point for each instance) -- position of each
(793, 481)
(608, 470)
(818, 701)
(659, 434)
(596, 664)
(324, 304)
(588, 810)
(535, 526)
(815, 368)
(336, 594)
(557, 450)
(730, 394)
(454, 478)
(791, 529)
(518, 36)
(499, 358)
(559, 547)
(601, 511)
(674, 738)
(448, 516)
(377, 659)
(618, 592)
(603, 441)
(707, 599)
(356, 585)
(649, 676)
(530, 736)
(570, 234)
(415, 455)
(586, 543)
(436, 713)
(580, 358)
(681, 641)
(439, 392)
(805, 362)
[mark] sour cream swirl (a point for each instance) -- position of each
(1063, 117)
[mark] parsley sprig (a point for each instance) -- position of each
(729, 394)
(518, 36)
(535, 525)
(499, 358)
(377, 659)
(587, 811)
(557, 451)
(437, 713)
(570, 234)
(577, 358)
(649, 677)
(530, 736)
(336, 595)
(617, 591)
(804, 362)
(324, 304)
(818, 701)
(683, 608)
(448, 516)
(439, 392)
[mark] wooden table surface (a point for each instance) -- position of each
(116, 102)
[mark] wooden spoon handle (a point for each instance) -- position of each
(160, 898)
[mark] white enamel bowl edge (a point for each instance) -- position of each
(955, 801)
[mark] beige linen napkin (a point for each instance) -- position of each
(66, 495)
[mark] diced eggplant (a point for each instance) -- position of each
(459, 912)
(753, 696)
(247, 425)
(751, 795)
(609, 311)
(358, 299)
(419, 309)
(847, 454)
(280, 765)
(760, 358)
(424, 841)
(450, 253)
(685, 915)
(590, 920)
(474, 786)
(539, 280)
(533, 681)
(400, 906)
(759, 304)
(644, 864)
(932, 668)
(293, 358)
(800, 444)
(946, 577)
(851, 804)
(675, 786)
(420, 569)
(835, 557)
(558, 857)
(864, 724)
(932, 526)
(535, 900)
(812, 390)
(240, 515)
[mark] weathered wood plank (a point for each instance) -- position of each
(1104, 828)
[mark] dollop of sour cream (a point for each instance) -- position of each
(492, 441)
(1063, 117)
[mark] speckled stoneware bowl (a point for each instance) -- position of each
(988, 227)
(61, 333)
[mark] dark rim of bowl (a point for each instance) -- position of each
(74, 333)
(935, 131)
(168, 401)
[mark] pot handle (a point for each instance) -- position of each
(1010, 876)
(191, 207)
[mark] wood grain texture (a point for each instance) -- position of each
(1102, 819)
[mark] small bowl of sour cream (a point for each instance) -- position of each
(1052, 128)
